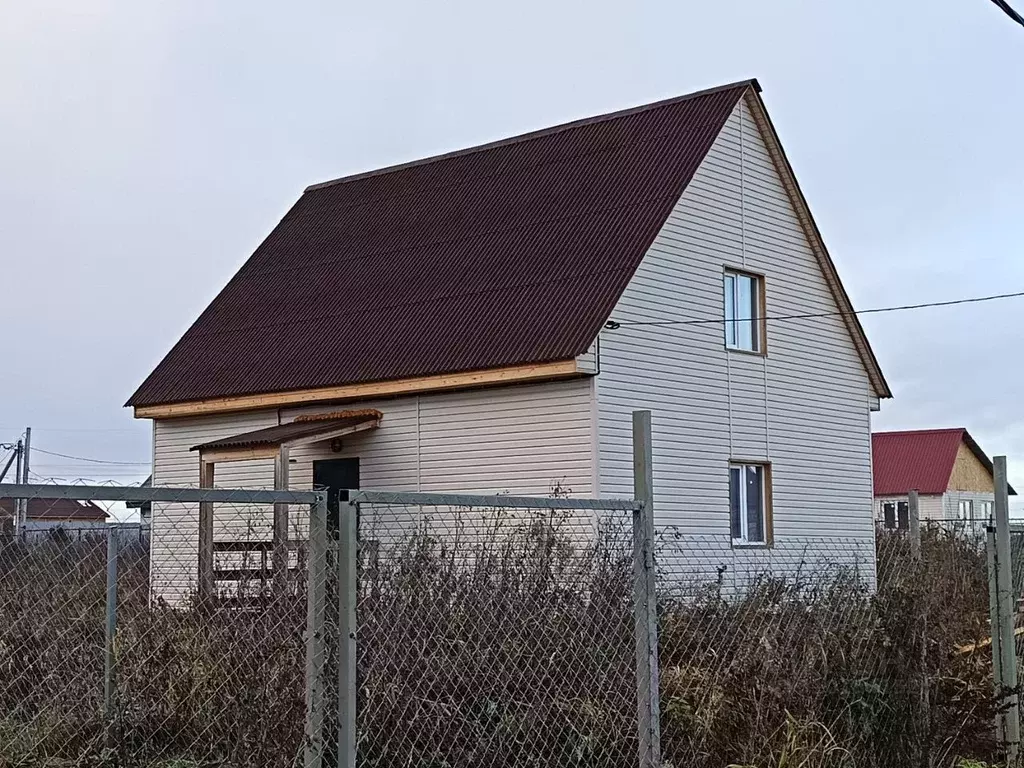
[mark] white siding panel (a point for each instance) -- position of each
(527, 439)
(174, 549)
(951, 503)
(804, 406)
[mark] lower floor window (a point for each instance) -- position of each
(965, 510)
(749, 494)
(986, 511)
(896, 515)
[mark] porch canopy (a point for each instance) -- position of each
(268, 443)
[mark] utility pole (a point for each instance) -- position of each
(20, 522)
(16, 453)
(19, 452)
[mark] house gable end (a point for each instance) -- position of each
(803, 406)
(969, 473)
(773, 145)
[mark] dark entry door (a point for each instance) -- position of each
(337, 476)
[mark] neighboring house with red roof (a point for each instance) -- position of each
(948, 469)
(487, 320)
(46, 516)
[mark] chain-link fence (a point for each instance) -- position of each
(831, 651)
(110, 655)
(500, 633)
(428, 631)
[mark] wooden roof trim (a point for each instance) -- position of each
(817, 243)
(443, 383)
(332, 415)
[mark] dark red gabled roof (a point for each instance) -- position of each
(57, 510)
(920, 460)
(506, 254)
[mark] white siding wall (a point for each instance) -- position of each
(525, 440)
(952, 498)
(929, 507)
(804, 407)
(944, 507)
(174, 546)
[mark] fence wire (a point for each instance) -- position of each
(497, 637)
(492, 636)
(834, 651)
(195, 681)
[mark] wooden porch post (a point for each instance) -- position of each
(279, 558)
(205, 533)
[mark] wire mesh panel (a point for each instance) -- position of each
(101, 663)
(829, 651)
(52, 608)
(495, 636)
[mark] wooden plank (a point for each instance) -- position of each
(279, 562)
(205, 581)
(243, 546)
(246, 453)
(492, 376)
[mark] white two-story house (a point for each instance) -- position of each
(487, 320)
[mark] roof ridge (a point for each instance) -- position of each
(932, 431)
(539, 133)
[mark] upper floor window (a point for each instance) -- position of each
(750, 503)
(743, 311)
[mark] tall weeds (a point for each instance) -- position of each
(510, 650)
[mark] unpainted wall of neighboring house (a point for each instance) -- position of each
(525, 439)
(805, 406)
(969, 474)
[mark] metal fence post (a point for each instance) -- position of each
(914, 524)
(348, 593)
(316, 604)
(645, 605)
(109, 667)
(1007, 611)
(993, 616)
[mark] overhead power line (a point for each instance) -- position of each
(94, 461)
(612, 324)
(1009, 11)
(82, 429)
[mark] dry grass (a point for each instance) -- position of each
(520, 655)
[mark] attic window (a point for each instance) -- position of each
(744, 305)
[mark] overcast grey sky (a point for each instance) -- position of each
(147, 148)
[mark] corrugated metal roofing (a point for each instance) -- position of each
(920, 460)
(57, 509)
(507, 254)
(299, 430)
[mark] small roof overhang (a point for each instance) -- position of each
(268, 442)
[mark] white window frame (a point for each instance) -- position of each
(744, 539)
(965, 510)
(733, 324)
(987, 510)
